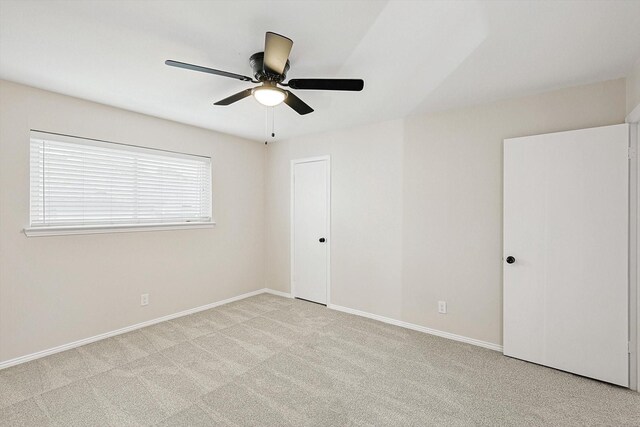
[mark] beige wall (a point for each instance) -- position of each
(416, 218)
(633, 88)
(417, 206)
(56, 290)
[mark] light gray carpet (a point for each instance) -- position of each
(270, 361)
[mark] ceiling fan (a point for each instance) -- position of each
(270, 68)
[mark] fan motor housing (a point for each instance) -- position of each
(257, 65)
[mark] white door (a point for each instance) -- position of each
(310, 229)
(566, 227)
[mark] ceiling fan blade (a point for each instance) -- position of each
(206, 70)
(276, 52)
(297, 104)
(234, 98)
(327, 84)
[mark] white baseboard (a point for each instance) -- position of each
(58, 349)
(278, 293)
(412, 326)
(418, 328)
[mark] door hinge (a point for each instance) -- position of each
(632, 152)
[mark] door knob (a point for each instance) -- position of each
(510, 259)
(321, 240)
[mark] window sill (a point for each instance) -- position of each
(102, 229)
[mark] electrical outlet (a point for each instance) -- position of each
(144, 299)
(442, 307)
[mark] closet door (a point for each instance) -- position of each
(566, 251)
(310, 229)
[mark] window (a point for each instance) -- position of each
(80, 185)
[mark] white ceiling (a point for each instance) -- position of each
(415, 56)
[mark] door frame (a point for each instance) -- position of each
(634, 249)
(294, 162)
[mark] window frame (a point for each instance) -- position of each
(58, 230)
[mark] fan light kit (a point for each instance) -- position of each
(269, 95)
(270, 68)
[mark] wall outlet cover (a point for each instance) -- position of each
(442, 307)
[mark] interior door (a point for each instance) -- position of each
(566, 251)
(310, 209)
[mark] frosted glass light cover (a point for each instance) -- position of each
(269, 96)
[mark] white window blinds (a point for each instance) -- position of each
(76, 182)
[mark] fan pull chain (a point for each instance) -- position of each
(273, 122)
(266, 125)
